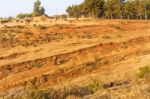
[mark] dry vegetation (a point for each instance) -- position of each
(98, 59)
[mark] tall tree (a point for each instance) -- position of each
(117, 8)
(94, 8)
(146, 7)
(36, 11)
(139, 9)
(109, 9)
(127, 9)
(74, 11)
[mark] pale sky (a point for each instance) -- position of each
(53, 7)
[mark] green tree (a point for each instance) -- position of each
(109, 9)
(94, 8)
(36, 11)
(74, 11)
(127, 9)
(139, 9)
(71, 11)
(23, 15)
(42, 11)
(117, 8)
(146, 7)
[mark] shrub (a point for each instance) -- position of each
(122, 22)
(45, 77)
(143, 71)
(148, 89)
(59, 70)
(28, 33)
(37, 64)
(61, 26)
(41, 27)
(106, 37)
(59, 93)
(20, 27)
(116, 27)
(95, 85)
(38, 94)
(26, 44)
(34, 25)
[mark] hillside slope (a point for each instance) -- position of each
(101, 60)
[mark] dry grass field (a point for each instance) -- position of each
(98, 59)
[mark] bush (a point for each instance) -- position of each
(20, 27)
(34, 25)
(106, 37)
(26, 44)
(38, 95)
(42, 27)
(28, 33)
(59, 93)
(143, 71)
(37, 64)
(95, 85)
(61, 26)
(116, 27)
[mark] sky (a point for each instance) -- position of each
(52, 7)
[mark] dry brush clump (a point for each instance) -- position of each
(37, 64)
(61, 26)
(144, 71)
(96, 85)
(40, 27)
(58, 93)
(64, 92)
(117, 27)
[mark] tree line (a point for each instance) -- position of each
(111, 9)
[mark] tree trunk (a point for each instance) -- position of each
(137, 17)
(128, 17)
(121, 15)
(140, 17)
(145, 15)
(111, 16)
